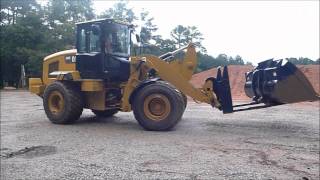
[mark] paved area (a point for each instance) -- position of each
(274, 143)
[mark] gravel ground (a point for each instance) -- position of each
(275, 143)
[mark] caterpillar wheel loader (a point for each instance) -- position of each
(101, 75)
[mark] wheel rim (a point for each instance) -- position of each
(55, 102)
(156, 107)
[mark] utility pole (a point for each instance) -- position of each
(23, 77)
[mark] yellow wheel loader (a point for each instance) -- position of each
(101, 75)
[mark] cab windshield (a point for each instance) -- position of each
(117, 40)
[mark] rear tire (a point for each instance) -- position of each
(106, 113)
(158, 106)
(62, 102)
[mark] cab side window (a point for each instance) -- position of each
(88, 41)
(94, 45)
(82, 40)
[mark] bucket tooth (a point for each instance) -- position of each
(221, 88)
(219, 76)
(225, 73)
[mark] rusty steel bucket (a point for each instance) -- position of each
(278, 82)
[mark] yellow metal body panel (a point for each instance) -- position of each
(36, 86)
(168, 73)
(93, 89)
(208, 89)
(58, 58)
(35, 81)
(75, 75)
(131, 84)
(95, 100)
(178, 73)
(37, 89)
(92, 85)
(187, 66)
(63, 75)
(94, 93)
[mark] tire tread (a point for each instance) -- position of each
(73, 102)
(179, 108)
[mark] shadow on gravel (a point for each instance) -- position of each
(95, 119)
(114, 122)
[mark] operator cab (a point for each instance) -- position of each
(103, 50)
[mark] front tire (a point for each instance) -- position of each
(62, 102)
(158, 106)
(185, 100)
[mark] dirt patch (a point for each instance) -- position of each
(29, 152)
(237, 78)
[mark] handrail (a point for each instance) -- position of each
(169, 54)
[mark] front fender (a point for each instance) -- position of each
(140, 86)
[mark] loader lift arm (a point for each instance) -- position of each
(176, 73)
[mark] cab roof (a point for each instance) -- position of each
(107, 20)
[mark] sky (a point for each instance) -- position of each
(255, 30)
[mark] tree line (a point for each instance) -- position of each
(30, 31)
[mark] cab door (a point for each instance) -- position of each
(89, 58)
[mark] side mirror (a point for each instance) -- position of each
(95, 29)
